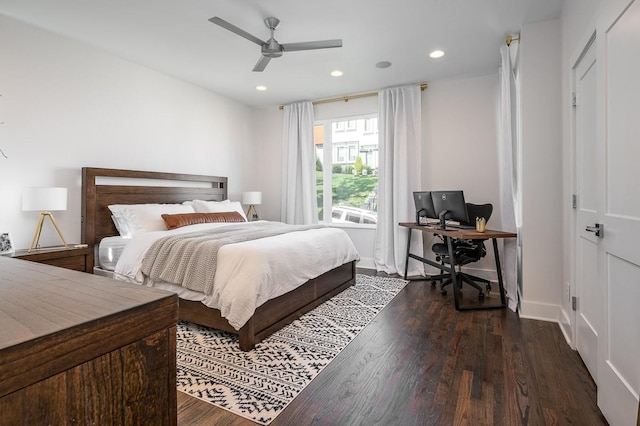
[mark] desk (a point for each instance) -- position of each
(464, 234)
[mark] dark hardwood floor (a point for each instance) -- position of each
(422, 363)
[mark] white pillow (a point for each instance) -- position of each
(190, 203)
(122, 227)
(135, 218)
(218, 207)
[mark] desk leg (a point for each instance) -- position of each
(454, 277)
(500, 285)
(406, 263)
(503, 299)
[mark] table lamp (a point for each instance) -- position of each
(252, 199)
(44, 200)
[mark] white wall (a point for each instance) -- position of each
(267, 142)
(459, 122)
(542, 170)
(66, 105)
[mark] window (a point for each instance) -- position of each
(353, 217)
(369, 219)
(370, 125)
(353, 152)
(347, 170)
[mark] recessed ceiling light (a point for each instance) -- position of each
(337, 73)
(383, 64)
(261, 88)
(436, 54)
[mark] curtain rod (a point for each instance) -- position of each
(347, 98)
(509, 39)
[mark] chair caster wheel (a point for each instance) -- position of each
(488, 288)
(443, 292)
(481, 296)
(433, 283)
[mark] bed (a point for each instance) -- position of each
(104, 187)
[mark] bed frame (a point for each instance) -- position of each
(133, 187)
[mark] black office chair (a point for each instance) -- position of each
(464, 252)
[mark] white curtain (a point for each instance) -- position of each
(299, 202)
(399, 174)
(508, 155)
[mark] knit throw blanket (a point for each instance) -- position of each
(190, 260)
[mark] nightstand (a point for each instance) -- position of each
(78, 259)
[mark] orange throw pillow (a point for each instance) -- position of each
(174, 221)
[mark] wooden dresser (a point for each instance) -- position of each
(81, 349)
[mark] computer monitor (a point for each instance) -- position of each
(424, 206)
(450, 205)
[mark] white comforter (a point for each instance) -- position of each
(251, 272)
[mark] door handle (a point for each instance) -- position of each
(598, 229)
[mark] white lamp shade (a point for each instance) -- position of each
(252, 198)
(44, 199)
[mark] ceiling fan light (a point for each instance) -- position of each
(337, 73)
(436, 54)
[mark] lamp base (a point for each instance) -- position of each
(252, 213)
(36, 235)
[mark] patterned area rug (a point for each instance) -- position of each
(259, 384)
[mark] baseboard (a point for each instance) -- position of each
(366, 263)
(565, 327)
(487, 274)
(539, 311)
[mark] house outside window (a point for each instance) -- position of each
(347, 170)
(370, 124)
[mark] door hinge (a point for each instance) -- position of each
(574, 99)
(574, 303)
(574, 201)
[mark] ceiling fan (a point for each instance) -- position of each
(271, 48)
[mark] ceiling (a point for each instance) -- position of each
(176, 38)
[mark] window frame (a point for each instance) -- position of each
(328, 162)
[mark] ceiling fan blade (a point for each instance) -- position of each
(310, 45)
(261, 64)
(242, 33)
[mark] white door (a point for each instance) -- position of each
(588, 290)
(618, 52)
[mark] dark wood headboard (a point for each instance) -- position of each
(96, 217)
